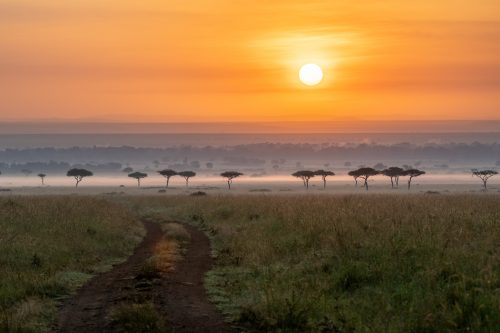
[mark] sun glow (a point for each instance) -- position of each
(311, 74)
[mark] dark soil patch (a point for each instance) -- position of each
(178, 296)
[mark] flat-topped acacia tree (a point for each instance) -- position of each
(42, 177)
(365, 174)
(230, 175)
(323, 174)
(79, 174)
(138, 176)
(412, 173)
(186, 175)
(484, 175)
(355, 176)
(168, 173)
(305, 175)
(394, 173)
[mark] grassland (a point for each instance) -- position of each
(349, 263)
(51, 245)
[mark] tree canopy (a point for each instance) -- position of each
(42, 177)
(323, 174)
(394, 173)
(138, 176)
(79, 174)
(412, 173)
(186, 175)
(305, 175)
(364, 173)
(168, 173)
(484, 175)
(230, 175)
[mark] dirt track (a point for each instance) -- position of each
(179, 296)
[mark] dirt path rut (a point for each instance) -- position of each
(179, 296)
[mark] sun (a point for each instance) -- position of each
(311, 74)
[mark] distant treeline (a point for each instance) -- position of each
(56, 167)
(255, 154)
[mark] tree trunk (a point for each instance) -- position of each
(187, 182)
(307, 184)
(366, 184)
(397, 181)
(392, 182)
(485, 184)
(138, 182)
(409, 183)
(324, 182)
(168, 179)
(229, 184)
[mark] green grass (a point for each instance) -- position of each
(51, 245)
(352, 263)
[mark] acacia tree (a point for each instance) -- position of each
(305, 175)
(79, 174)
(412, 173)
(484, 175)
(42, 177)
(186, 175)
(365, 174)
(354, 175)
(167, 173)
(138, 176)
(230, 175)
(394, 173)
(323, 174)
(128, 170)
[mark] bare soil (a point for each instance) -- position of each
(179, 296)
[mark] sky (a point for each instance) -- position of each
(238, 61)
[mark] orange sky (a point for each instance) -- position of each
(235, 60)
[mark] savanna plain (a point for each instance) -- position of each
(378, 262)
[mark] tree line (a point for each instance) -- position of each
(364, 173)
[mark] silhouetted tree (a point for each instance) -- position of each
(209, 165)
(379, 166)
(394, 173)
(186, 175)
(412, 173)
(42, 177)
(138, 176)
(354, 174)
(79, 174)
(230, 175)
(484, 175)
(323, 174)
(26, 172)
(364, 173)
(128, 170)
(167, 173)
(305, 175)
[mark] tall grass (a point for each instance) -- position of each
(51, 245)
(353, 263)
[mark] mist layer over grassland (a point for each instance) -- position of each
(51, 245)
(352, 263)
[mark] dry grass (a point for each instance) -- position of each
(51, 245)
(350, 263)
